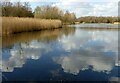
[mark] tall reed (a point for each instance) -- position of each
(15, 24)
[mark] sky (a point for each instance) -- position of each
(80, 7)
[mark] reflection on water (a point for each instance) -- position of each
(96, 48)
(45, 36)
(31, 46)
(62, 54)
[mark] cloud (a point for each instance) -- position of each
(89, 8)
(32, 0)
(82, 7)
(65, 0)
(108, 9)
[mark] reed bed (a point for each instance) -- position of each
(12, 25)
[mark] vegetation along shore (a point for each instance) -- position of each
(14, 24)
(19, 17)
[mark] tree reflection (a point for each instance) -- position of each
(45, 36)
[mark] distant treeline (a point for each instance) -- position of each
(94, 19)
(16, 9)
(20, 9)
(23, 9)
(49, 12)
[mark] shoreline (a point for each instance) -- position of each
(13, 25)
(97, 23)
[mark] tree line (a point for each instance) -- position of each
(23, 9)
(100, 19)
(16, 9)
(49, 12)
(19, 9)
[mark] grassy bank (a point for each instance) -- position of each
(14, 24)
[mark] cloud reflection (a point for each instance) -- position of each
(36, 43)
(114, 79)
(98, 49)
(81, 60)
(20, 53)
(108, 39)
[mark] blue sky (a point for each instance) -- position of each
(81, 7)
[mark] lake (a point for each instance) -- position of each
(66, 54)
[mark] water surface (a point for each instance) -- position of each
(66, 54)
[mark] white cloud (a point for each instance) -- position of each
(108, 9)
(89, 8)
(65, 0)
(83, 7)
(32, 0)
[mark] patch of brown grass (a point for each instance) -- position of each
(15, 24)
